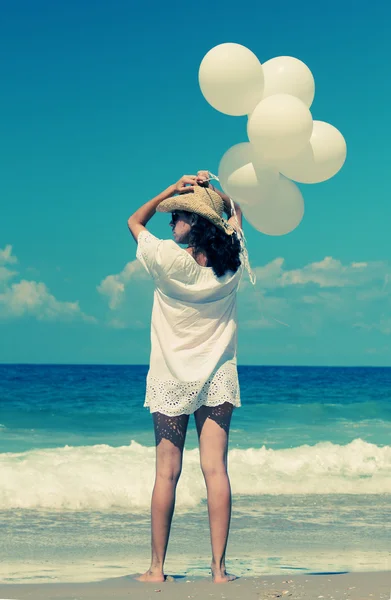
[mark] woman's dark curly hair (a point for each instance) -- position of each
(222, 250)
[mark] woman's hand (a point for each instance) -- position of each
(185, 184)
(203, 178)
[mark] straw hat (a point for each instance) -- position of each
(202, 201)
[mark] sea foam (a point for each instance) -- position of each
(103, 477)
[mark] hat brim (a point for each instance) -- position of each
(192, 203)
(180, 202)
(186, 202)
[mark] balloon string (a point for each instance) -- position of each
(241, 236)
(242, 239)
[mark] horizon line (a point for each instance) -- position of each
(290, 366)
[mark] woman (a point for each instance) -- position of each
(193, 351)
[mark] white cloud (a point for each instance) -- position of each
(120, 324)
(263, 323)
(328, 272)
(318, 295)
(383, 350)
(6, 256)
(383, 325)
(6, 274)
(114, 286)
(261, 311)
(270, 274)
(32, 298)
(359, 265)
(310, 299)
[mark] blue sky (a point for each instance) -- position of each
(101, 110)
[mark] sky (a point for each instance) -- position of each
(101, 110)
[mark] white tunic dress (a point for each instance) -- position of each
(193, 330)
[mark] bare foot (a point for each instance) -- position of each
(221, 575)
(151, 577)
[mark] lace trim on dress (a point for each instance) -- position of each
(172, 397)
(144, 237)
(147, 235)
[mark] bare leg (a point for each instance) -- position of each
(213, 431)
(170, 434)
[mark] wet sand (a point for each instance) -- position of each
(314, 586)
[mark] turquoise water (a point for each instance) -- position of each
(309, 463)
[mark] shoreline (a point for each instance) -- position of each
(372, 585)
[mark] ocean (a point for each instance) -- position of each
(309, 462)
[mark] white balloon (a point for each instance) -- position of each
(321, 158)
(231, 79)
(281, 213)
(243, 180)
(279, 127)
(288, 75)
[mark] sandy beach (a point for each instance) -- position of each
(336, 586)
